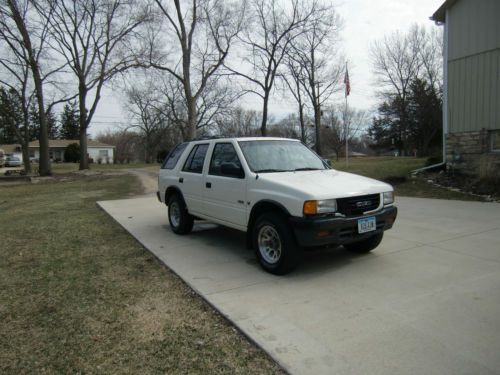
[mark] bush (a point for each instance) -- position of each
(72, 153)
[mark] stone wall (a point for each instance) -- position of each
(470, 153)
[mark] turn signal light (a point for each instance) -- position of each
(310, 207)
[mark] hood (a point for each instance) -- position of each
(326, 184)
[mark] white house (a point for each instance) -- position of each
(99, 152)
(12, 150)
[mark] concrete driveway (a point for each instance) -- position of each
(427, 301)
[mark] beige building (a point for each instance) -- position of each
(471, 84)
(99, 152)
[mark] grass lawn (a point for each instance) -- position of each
(80, 295)
(396, 171)
(380, 167)
(60, 168)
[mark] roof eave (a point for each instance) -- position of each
(440, 14)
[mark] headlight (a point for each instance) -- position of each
(320, 207)
(388, 198)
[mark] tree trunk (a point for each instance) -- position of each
(317, 126)
(84, 159)
(25, 146)
(44, 166)
(24, 138)
(82, 98)
(302, 125)
(192, 119)
(263, 126)
(26, 159)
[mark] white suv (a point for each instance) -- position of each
(278, 191)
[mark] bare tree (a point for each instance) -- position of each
(397, 61)
(342, 125)
(315, 63)
(98, 39)
(294, 80)
(287, 127)
(214, 101)
(127, 145)
(238, 122)
(272, 28)
(432, 57)
(204, 32)
(18, 92)
(25, 34)
(147, 117)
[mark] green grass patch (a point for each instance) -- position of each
(396, 171)
(381, 167)
(79, 295)
(61, 168)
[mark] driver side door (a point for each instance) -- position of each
(225, 194)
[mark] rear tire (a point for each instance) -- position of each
(274, 244)
(179, 218)
(365, 246)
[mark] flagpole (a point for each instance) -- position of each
(346, 81)
(346, 136)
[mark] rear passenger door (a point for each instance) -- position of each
(225, 193)
(191, 178)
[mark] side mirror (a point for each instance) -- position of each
(232, 170)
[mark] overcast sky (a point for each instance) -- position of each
(364, 22)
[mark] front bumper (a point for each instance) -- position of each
(323, 231)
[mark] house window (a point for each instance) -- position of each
(103, 153)
(495, 140)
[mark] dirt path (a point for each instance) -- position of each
(148, 177)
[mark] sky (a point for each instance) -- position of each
(364, 22)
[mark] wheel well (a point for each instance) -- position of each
(257, 210)
(171, 191)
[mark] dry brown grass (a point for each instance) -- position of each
(80, 295)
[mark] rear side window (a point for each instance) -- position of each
(173, 157)
(196, 158)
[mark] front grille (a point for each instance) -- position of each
(357, 205)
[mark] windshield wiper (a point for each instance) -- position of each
(271, 170)
(307, 169)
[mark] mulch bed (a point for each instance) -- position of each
(488, 188)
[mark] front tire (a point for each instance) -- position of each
(179, 218)
(274, 244)
(366, 245)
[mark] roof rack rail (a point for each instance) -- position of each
(205, 138)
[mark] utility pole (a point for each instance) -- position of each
(317, 120)
(346, 123)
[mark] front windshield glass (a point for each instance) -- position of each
(279, 156)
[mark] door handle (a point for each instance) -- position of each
(208, 185)
(181, 180)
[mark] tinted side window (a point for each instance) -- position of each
(223, 153)
(194, 162)
(173, 157)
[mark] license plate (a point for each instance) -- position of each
(367, 224)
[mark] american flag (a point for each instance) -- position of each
(347, 83)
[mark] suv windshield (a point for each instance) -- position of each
(279, 156)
